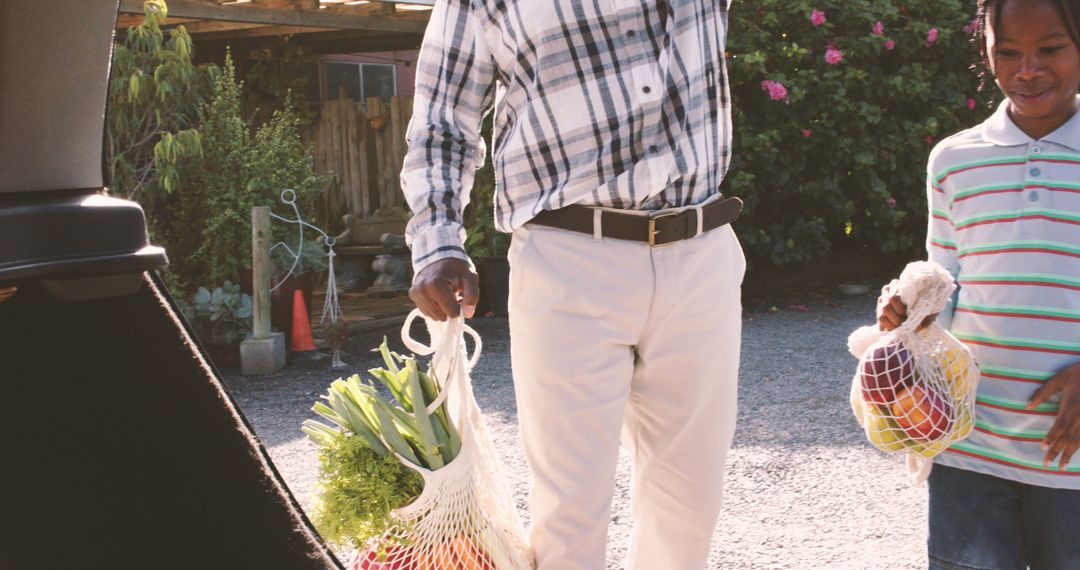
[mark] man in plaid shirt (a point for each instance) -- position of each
(612, 133)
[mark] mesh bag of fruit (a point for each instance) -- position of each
(415, 483)
(914, 390)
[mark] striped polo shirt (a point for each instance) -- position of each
(1005, 221)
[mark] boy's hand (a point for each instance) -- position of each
(1064, 436)
(892, 312)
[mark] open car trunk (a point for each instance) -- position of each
(121, 448)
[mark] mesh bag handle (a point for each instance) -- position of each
(449, 337)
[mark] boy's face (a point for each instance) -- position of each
(1035, 63)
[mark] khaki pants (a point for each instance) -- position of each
(610, 340)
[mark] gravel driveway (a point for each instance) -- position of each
(804, 489)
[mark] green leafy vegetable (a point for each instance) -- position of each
(362, 475)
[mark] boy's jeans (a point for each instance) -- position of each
(981, 522)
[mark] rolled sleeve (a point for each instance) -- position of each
(454, 89)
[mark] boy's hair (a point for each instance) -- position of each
(1068, 10)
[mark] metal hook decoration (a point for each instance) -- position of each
(288, 196)
(331, 306)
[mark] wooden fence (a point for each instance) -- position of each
(365, 149)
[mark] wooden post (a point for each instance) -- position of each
(260, 265)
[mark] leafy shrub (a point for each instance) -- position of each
(835, 114)
(482, 239)
(154, 95)
(210, 234)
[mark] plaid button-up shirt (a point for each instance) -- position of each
(614, 103)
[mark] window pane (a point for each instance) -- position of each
(342, 76)
(379, 81)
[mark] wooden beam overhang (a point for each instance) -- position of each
(332, 18)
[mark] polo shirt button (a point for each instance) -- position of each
(631, 33)
(1036, 150)
(646, 89)
(1035, 172)
(1033, 196)
(652, 149)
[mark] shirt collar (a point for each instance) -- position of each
(999, 129)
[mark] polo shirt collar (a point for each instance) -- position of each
(999, 129)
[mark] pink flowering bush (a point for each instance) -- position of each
(859, 180)
(931, 37)
(777, 91)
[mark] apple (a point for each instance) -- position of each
(923, 414)
(882, 431)
(887, 370)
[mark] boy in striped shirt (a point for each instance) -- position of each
(1005, 221)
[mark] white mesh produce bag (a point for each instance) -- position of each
(465, 518)
(914, 391)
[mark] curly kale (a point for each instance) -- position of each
(359, 490)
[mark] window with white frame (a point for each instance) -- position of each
(359, 81)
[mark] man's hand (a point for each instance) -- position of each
(1064, 436)
(445, 288)
(893, 312)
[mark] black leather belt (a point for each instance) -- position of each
(662, 227)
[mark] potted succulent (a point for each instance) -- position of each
(221, 319)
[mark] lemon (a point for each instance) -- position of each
(883, 431)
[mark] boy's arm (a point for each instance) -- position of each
(941, 244)
(454, 88)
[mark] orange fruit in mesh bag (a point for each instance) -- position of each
(922, 413)
(459, 554)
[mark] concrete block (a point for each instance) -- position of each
(262, 356)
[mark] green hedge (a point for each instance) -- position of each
(832, 154)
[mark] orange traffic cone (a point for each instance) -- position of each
(301, 326)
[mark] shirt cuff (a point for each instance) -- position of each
(436, 243)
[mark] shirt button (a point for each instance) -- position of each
(1036, 150)
(652, 149)
(1035, 171)
(1033, 196)
(646, 89)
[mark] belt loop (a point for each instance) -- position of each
(700, 219)
(597, 225)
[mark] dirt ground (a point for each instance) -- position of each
(804, 489)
